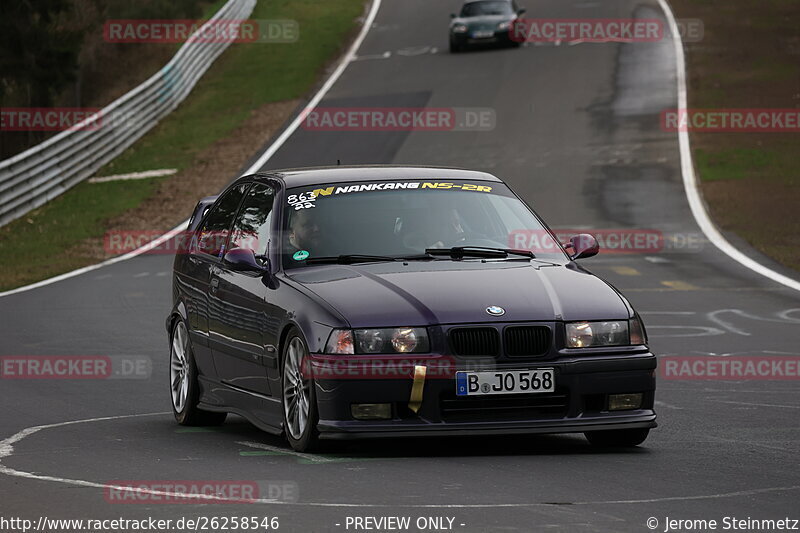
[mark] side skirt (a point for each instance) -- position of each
(264, 412)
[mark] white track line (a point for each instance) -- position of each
(286, 451)
(756, 404)
(690, 180)
(135, 175)
(139, 251)
(268, 153)
(7, 449)
(7, 445)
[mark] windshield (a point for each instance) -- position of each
(402, 219)
(476, 9)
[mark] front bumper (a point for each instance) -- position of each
(467, 38)
(579, 403)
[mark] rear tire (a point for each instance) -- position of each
(298, 396)
(184, 387)
(617, 438)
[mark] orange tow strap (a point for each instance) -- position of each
(415, 401)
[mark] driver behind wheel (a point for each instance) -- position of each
(433, 229)
(304, 231)
(449, 229)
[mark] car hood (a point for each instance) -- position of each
(450, 292)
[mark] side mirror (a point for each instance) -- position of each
(244, 260)
(583, 245)
(521, 11)
(452, 15)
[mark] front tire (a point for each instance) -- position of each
(617, 438)
(299, 399)
(184, 387)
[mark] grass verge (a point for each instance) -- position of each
(749, 57)
(54, 238)
(39, 245)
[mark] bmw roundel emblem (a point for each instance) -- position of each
(495, 310)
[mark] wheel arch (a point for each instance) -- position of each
(314, 334)
(178, 311)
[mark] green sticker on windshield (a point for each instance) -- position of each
(300, 255)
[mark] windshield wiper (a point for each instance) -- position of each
(458, 252)
(350, 259)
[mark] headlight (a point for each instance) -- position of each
(378, 341)
(460, 28)
(409, 340)
(370, 340)
(590, 334)
(504, 26)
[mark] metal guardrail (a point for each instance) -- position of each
(41, 173)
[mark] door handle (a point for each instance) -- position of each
(214, 284)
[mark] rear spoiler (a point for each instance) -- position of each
(200, 211)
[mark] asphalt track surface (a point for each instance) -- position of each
(578, 135)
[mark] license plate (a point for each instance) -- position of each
(505, 382)
(482, 34)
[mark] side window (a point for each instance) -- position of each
(252, 227)
(211, 239)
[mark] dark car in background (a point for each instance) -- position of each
(352, 302)
(483, 22)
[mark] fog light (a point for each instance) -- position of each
(371, 411)
(621, 402)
